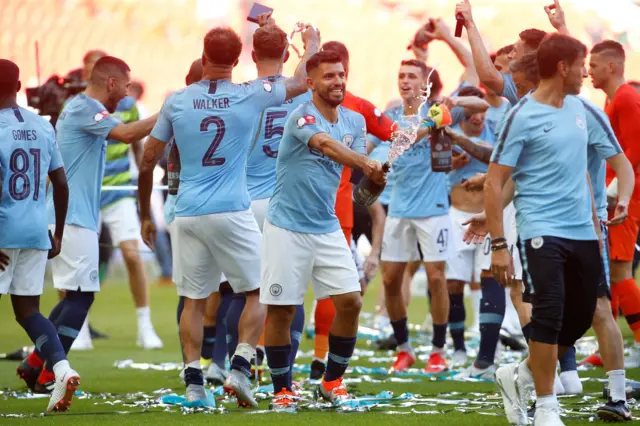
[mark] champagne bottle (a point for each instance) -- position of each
(441, 155)
(367, 192)
(173, 169)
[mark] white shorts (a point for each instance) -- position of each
(511, 235)
(402, 235)
(260, 209)
(211, 245)
(76, 267)
(24, 276)
(122, 219)
(292, 259)
(466, 260)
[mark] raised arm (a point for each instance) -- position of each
(488, 74)
(476, 150)
(297, 84)
(442, 32)
(133, 132)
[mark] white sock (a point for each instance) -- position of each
(525, 373)
(245, 351)
(60, 368)
(320, 360)
(194, 364)
(144, 317)
(476, 296)
(571, 382)
(437, 350)
(84, 333)
(405, 347)
(616, 385)
(547, 401)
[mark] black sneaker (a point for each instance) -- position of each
(388, 344)
(317, 370)
(95, 334)
(28, 373)
(17, 355)
(615, 412)
(515, 343)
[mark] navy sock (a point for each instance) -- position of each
(233, 318)
(208, 341)
(278, 362)
(340, 352)
(43, 334)
(55, 312)
(296, 335)
(439, 335)
(457, 316)
(220, 350)
(242, 365)
(179, 310)
(568, 360)
(400, 331)
(193, 376)
(492, 308)
(72, 316)
(526, 332)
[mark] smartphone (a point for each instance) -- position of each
(256, 10)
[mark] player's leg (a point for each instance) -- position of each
(236, 248)
(209, 329)
(27, 283)
(122, 220)
(624, 288)
(234, 312)
(434, 236)
(335, 275)
(214, 344)
(297, 327)
(198, 273)
(285, 273)
(399, 246)
(220, 349)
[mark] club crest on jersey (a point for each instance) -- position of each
(304, 120)
(267, 86)
(347, 140)
(101, 115)
(579, 122)
(537, 242)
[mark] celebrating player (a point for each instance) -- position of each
(319, 138)
(28, 155)
(82, 130)
(213, 200)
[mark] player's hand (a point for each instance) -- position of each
(440, 29)
(56, 246)
(266, 19)
(459, 160)
(619, 214)
(556, 16)
(502, 267)
(475, 183)
(477, 230)
(4, 260)
(311, 35)
(371, 265)
(421, 54)
(464, 8)
(149, 233)
(374, 171)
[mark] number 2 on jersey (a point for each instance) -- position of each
(209, 160)
(19, 166)
(270, 131)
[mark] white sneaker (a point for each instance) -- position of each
(216, 375)
(516, 393)
(571, 383)
(547, 417)
(239, 385)
(148, 339)
(558, 387)
(459, 358)
(83, 341)
(633, 360)
(473, 372)
(63, 391)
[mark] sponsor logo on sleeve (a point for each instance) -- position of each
(304, 120)
(100, 116)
